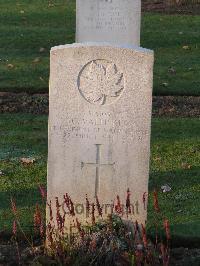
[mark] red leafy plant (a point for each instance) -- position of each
(104, 241)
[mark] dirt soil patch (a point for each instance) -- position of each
(167, 106)
(176, 106)
(185, 7)
(26, 256)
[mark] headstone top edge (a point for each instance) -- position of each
(102, 44)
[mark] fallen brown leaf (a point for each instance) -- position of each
(186, 166)
(186, 47)
(27, 160)
(42, 49)
(165, 84)
(10, 66)
(36, 60)
(165, 188)
(172, 70)
(157, 159)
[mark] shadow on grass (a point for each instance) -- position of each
(180, 205)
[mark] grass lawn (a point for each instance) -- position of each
(175, 160)
(28, 26)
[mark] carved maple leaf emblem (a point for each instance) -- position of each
(101, 82)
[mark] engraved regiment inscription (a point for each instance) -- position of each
(98, 166)
(100, 82)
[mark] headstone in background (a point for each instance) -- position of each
(99, 124)
(114, 21)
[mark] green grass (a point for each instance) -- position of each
(175, 160)
(26, 26)
(167, 35)
(175, 146)
(28, 139)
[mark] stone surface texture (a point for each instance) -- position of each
(115, 21)
(99, 124)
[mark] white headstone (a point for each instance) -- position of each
(99, 125)
(114, 21)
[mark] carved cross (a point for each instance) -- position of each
(97, 165)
